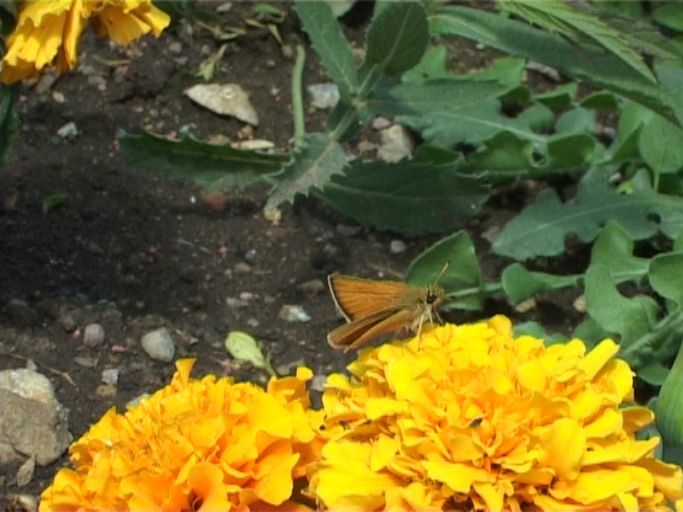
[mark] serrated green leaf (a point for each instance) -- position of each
(313, 164)
(211, 166)
(592, 65)
(9, 122)
(541, 229)
(614, 249)
(666, 276)
(669, 14)
(507, 156)
(631, 119)
(424, 195)
(397, 37)
(538, 117)
(461, 277)
(577, 120)
(520, 284)
(660, 145)
(579, 23)
(322, 27)
(629, 317)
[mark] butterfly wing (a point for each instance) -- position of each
(364, 330)
(358, 298)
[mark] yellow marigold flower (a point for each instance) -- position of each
(470, 417)
(49, 30)
(208, 445)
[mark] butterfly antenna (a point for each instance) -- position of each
(442, 271)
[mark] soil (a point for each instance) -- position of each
(134, 251)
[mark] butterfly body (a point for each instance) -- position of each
(374, 309)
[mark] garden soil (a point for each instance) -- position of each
(85, 239)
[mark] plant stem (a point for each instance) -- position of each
(297, 100)
(351, 113)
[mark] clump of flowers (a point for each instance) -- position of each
(48, 31)
(208, 444)
(470, 417)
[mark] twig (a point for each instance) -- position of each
(63, 375)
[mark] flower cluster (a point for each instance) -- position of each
(208, 444)
(469, 417)
(49, 31)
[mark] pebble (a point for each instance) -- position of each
(381, 123)
(110, 376)
(324, 96)
(67, 319)
(396, 144)
(19, 311)
(45, 83)
(348, 230)
(251, 256)
(242, 268)
(397, 247)
(85, 362)
(253, 323)
(312, 287)
(106, 390)
(318, 383)
(25, 472)
(68, 131)
(247, 296)
(159, 345)
(293, 313)
(93, 335)
(235, 303)
(58, 97)
(175, 47)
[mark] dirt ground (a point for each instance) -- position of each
(133, 251)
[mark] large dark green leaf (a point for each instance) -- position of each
(312, 166)
(397, 37)
(660, 145)
(666, 276)
(211, 166)
(590, 64)
(614, 249)
(520, 284)
(320, 23)
(453, 262)
(426, 194)
(541, 229)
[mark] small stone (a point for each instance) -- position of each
(196, 302)
(106, 390)
(93, 335)
(25, 472)
(396, 144)
(67, 319)
(45, 83)
(242, 268)
(253, 323)
(58, 97)
(324, 96)
(235, 303)
(110, 376)
(251, 256)
(397, 247)
(287, 51)
(159, 345)
(347, 230)
(68, 131)
(85, 362)
(312, 287)
(175, 47)
(381, 123)
(293, 313)
(20, 503)
(247, 296)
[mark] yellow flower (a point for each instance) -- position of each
(469, 417)
(48, 31)
(200, 445)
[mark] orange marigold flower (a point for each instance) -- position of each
(200, 445)
(48, 31)
(470, 417)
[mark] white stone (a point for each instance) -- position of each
(159, 345)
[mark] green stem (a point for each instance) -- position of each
(297, 100)
(351, 113)
(485, 289)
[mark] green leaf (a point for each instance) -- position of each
(541, 229)
(653, 373)
(520, 284)
(590, 64)
(601, 100)
(577, 120)
(243, 347)
(9, 122)
(312, 166)
(629, 317)
(397, 37)
(424, 195)
(462, 276)
(8, 15)
(669, 14)
(322, 27)
(54, 201)
(211, 166)
(577, 24)
(614, 249)
(666, 276)
(536, 330)
(660, 145)
(589, 332)
(340, 7)
(631, 119)
(559, 98)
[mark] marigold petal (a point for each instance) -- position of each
(596, 359)
(459, 477)
(565, 444)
